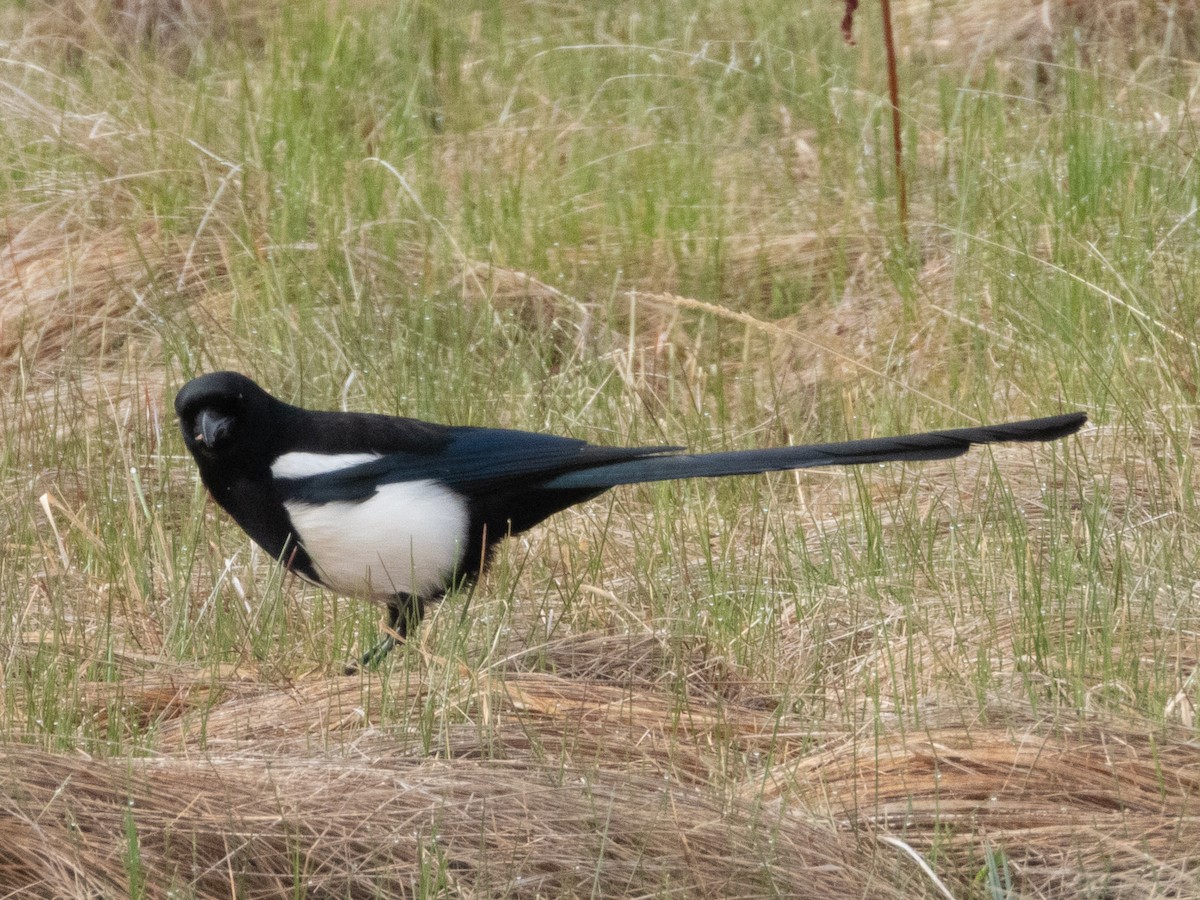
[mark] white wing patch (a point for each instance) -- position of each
(302, 465)
(409, 536)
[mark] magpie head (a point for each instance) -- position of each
(226, 417)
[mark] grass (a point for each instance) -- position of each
(639, 223)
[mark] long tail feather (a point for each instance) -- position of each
(912, 447)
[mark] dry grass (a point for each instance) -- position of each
(266, 824)
(1092, 809)
(590, 785)
(68, 291)
(986, 28)
(87, 271)
(177, 31)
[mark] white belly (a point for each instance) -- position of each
(407, 538)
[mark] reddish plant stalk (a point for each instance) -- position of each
(889, 42)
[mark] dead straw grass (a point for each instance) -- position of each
(177, 30)
(1082, 810)
(1112, 31)
(372, 821)
(70, 291)
(536, 784)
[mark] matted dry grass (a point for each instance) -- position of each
(176, 30)
(536, 784)
(69, 291)
(356, 825)
(87, 272)
(1083, 810)
(1030, 29)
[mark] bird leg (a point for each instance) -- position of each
(395, 630)
(403, 611)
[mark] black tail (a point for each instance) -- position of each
(912, 447)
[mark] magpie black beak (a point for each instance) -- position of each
(211, 427)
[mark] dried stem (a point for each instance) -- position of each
(889, 41)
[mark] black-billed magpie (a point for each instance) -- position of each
(397, 510)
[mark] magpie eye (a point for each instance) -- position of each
(211, 428)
